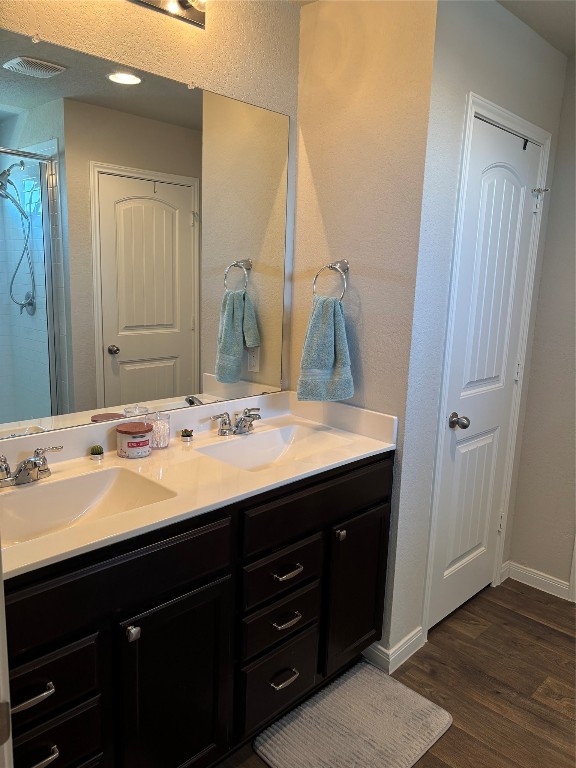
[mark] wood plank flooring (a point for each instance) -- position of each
(504, 666)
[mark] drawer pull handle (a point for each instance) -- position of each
(290, 575)
(288, 624)
(280, 686)
(34, 700)
(55, 754)
(341, 534)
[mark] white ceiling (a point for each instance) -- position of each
(554, 20)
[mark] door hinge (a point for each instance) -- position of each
(501, 523)
(538, 198)
(194, 217)
(518, 371)
(4, 721)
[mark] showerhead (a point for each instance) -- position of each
(5, 180)
(5, 175)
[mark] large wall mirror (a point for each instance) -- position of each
(122, 207)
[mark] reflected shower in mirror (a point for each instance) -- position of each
(121, 207)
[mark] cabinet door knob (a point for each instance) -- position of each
(133, 634)
(341, 534)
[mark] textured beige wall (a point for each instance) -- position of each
(108, 136)
(249, 50)
(544, 516)
(364, 88)
(365, 72)
(244, 160)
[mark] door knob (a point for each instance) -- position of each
(458, 421)
(113, 349)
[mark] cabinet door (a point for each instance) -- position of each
(357, 571)
(176, 678)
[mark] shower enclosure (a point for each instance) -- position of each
(27, 354)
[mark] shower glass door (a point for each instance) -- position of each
(25, 311)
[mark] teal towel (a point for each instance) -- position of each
(237, 327)
(325, 372)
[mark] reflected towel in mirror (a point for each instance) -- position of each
(238, 328)
(325, 372)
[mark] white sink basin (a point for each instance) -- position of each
(261, 450)
(30, 511)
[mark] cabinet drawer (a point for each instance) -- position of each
(53, 681)
(281, 620)
(293, 515)
(281, 571)
(73, 737)
(175, 562)
(280, 678)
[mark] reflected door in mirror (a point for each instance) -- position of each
(147, 255)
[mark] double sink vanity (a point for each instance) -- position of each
(160, 612)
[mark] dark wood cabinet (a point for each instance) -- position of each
(355, 586)
(171, 649)
(176, 681)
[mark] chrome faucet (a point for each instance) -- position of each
(28, 471)
(244, 422)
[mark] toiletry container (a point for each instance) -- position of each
(133, 440)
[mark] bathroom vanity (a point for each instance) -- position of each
(174, 646)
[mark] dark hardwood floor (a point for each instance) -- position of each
(504, 666)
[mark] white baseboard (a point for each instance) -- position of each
(536, 579)
(389, 659)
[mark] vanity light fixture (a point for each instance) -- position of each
(192, 11)
(124, 78)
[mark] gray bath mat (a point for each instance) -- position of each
(365, 719)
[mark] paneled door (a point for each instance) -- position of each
(490, 298)
(148, 282)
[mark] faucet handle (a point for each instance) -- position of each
(39, 452)
(5, 471)
(224, 416)
(225, 428)
(253, 412)
(40, 460)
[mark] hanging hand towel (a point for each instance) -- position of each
(325, 369)
(237, 324)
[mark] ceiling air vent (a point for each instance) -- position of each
(23, 65)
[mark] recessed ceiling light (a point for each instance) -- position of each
(124, 78)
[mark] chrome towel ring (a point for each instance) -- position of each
(245, 265)
(342, 267)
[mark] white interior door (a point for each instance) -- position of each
(490, 296)
(148, 268)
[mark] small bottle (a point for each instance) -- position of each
(160, 429)
(133, 440)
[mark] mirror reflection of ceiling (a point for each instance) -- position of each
(85, 80)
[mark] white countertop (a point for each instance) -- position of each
(200, 483)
